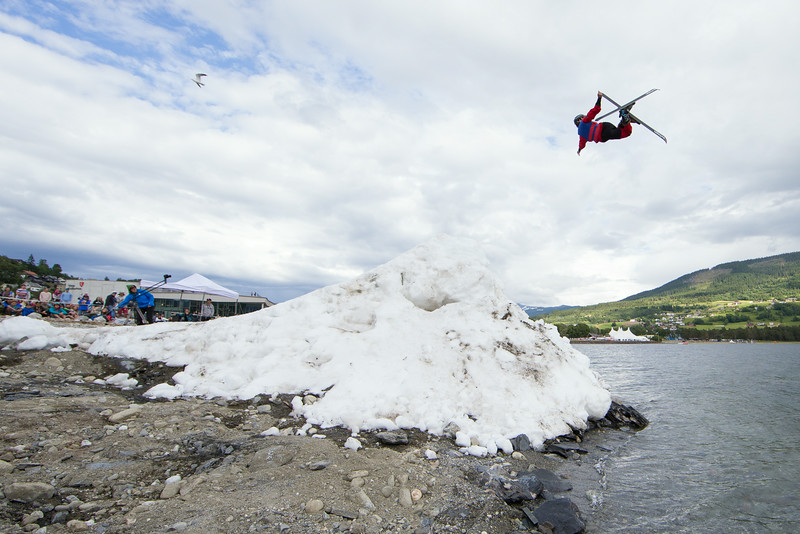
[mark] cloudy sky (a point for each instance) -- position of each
(332, 136)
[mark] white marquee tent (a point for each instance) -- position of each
(195, 283)
(625, 335)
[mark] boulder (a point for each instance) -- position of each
(392, 437)
(560, 514)
(29, 491)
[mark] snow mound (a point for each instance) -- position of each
(425, 341)
(30, 334)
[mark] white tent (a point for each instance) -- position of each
(195, 283)
(625, 335)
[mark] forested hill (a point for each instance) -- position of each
(762, 279)
(773, 277)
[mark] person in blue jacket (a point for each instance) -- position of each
(143, 300)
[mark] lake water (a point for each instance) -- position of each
(722, 452)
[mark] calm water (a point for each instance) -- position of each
(722, 452)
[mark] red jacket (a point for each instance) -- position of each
(588, 130)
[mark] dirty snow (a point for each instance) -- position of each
(427, 340)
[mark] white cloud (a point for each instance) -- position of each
(331, 137)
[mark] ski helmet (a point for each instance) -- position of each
(578, 119)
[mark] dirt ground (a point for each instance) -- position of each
(77, 454)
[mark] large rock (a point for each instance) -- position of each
(29, 491)
(560, 515)
(392, 437)
(621, 415)
(271, 457)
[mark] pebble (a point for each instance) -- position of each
(5, 467)
(32, 518)
(318, 466)
(405, 497)
(313, 506)
(52, 361)
(364, 499)
(171, 489)
(124, 414)
(91, 506)
(392, 437)
(192, 483)
(77, 525)
(361, 473)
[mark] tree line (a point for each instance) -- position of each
(11, 270)
(750, 333)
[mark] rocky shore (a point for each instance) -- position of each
(79, 452)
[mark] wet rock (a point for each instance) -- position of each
(549, 480)
(620, 415)
(29, 491)
(565, 450)
(510, 490)
(560, 514)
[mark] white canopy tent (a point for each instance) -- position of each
(195, 283)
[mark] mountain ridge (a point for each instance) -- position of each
(759, 279)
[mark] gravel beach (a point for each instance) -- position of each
(80, 454)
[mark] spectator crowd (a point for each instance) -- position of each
(63, 305)
(55, 305)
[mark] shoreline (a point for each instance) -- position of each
(109, 460)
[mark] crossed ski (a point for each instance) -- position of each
(598, 119)
(631, 115)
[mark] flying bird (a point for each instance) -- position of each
(198, 79)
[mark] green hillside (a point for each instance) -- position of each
(729, 287)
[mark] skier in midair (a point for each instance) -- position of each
(600, 132)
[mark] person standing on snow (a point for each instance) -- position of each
(207, 311)
(600, 132)
(111, 303)
(143, 300)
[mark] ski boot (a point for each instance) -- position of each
(627, 117)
